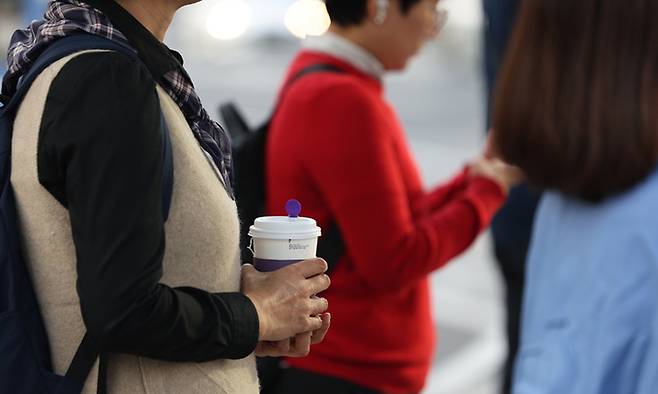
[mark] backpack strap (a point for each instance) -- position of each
(81, 42)
(58, 50)
(87, 352)
(233, 118)
(312, 69)
(315, 68)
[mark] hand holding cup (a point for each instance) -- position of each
(284, 298)
(284, 281)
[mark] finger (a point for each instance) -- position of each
(489, 152)
(247, 277)
(310, 268)
(318, 335)
(491, 148)
(283, 346)
(317, 305)
(265, 349)
(300, 345)
(260, 350)
(317, 284)
(313, 323)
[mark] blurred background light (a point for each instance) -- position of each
(464, 14)
(228, 19)
(307, 18)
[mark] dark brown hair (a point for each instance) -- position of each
(353, 12)
(576, 106)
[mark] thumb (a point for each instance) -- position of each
(248, 269)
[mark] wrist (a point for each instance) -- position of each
(262, 323)
(243, 315)
(492, 180)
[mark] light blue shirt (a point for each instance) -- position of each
(590, 315)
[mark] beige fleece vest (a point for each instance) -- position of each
(201, 251)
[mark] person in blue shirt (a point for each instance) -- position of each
(575, 109)
(512, 225)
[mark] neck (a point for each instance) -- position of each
(355, 36)
(155, 15)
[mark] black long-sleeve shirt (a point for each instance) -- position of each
(100, 155)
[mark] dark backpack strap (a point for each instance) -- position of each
(58, 50)
(312, 69)
(101, 387)
(83, 361)
(87, 352)
(81, 42)
(315, 68)
(236, 123)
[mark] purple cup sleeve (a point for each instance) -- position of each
(264, 265)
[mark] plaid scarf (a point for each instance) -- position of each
(67, 17)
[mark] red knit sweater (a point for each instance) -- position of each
(336, 145)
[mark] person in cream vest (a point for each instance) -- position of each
(167, 302)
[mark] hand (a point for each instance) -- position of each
(299, 346)
(496, 170)
(283, 298)
(491, 150)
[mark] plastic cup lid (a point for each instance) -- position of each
(284, 227)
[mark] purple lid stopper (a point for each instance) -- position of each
(294, 208)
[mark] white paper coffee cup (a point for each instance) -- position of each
(278, 241)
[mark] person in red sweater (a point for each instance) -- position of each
(336, 145)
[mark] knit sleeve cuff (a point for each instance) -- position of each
(442, 194)
(487, 196)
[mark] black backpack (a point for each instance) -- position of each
(25, 364)
(249, 172)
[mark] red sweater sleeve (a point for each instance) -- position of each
(461, 183)
(442, 194)
(353, 159)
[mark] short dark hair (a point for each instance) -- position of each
(353, 12)
(576, 106)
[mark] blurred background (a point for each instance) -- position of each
(238, 50)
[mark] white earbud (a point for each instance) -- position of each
(382, 12)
